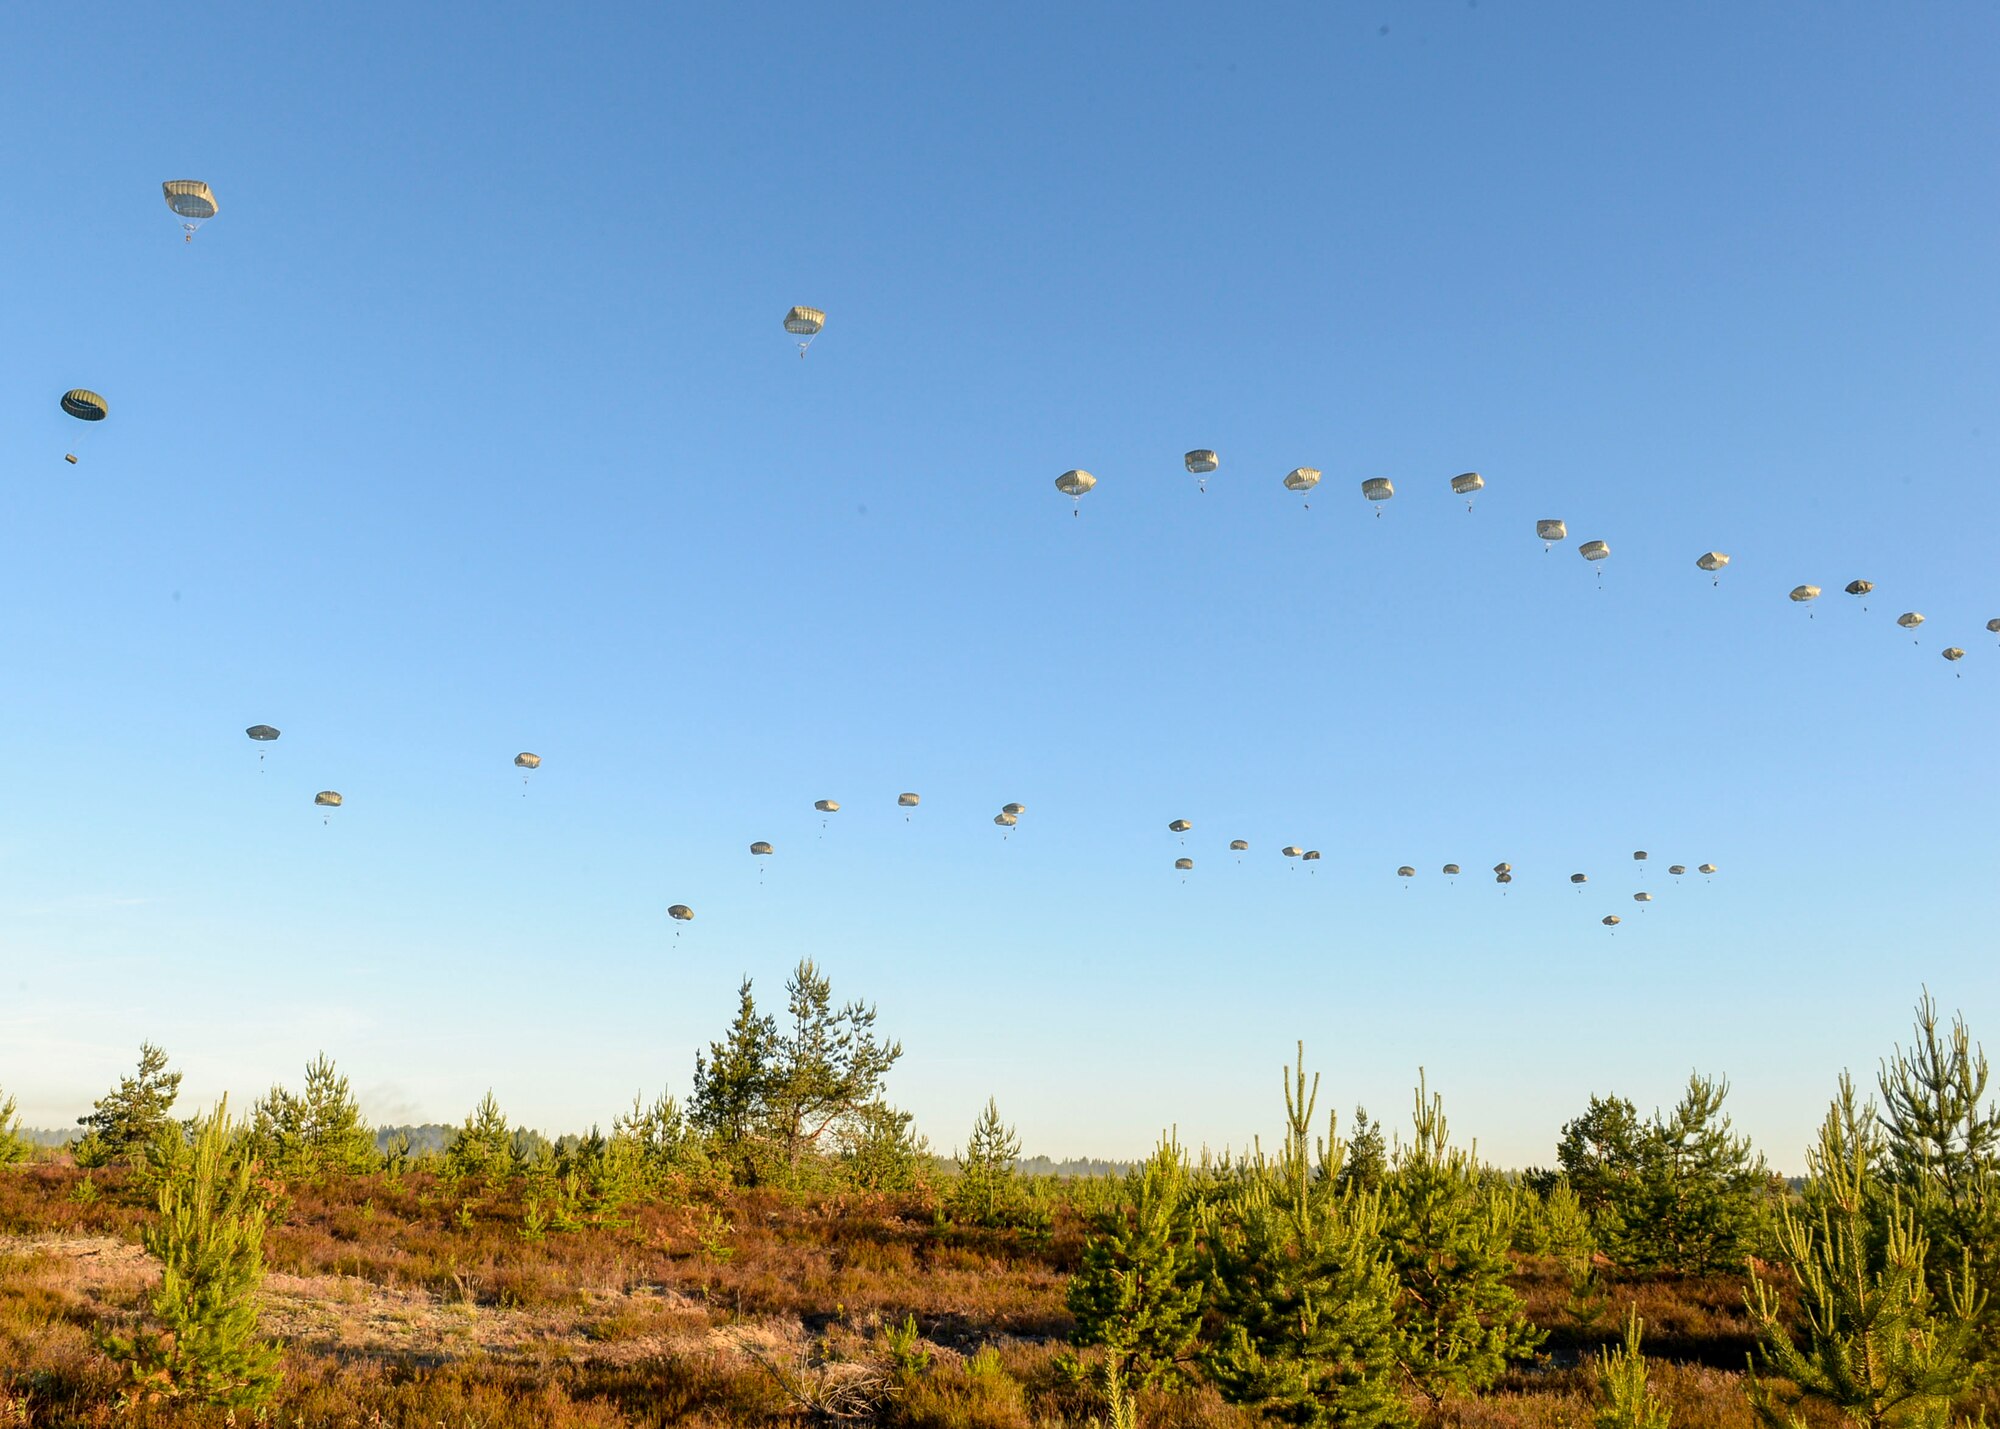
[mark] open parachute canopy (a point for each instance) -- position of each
(908, 801)
(1909, 620)
(1642, 898)
(1179, 826)
(1311, 855)
(191, 199)
(1238, 845)
(1579, 878)
(1200, 462)
(1503, 868)
(1503, 878)
(1612, 920)
(1015, 809)
(327, 799)
(1075, 483)
(1594, 550)
(1184, 864)
(1451, 870)
(263, 733)
(1638, 855)
(85, 405)
(1859, 587)
(1993, 625)
(1006, 820)
(1677, 869)
(805, 322)
(1952, 652)
(525, 760)
(1406, 872)
(1711, 560)
(1467, 482)
(1706, 868)
(1552, 530)
(1378, 488)
(680, 913)
(1804, 593)
(1302, 478)
(827, 806)
(1291, 850)
(760, 848)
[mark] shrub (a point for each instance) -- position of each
(1625, 1400)
(317, 1132)
(986, 1189)
(14, 1147)
(1138, 1291)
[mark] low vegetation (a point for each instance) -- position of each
(784, 1250)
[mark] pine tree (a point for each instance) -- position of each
(732, 1084)
(1599, 1154)
(826, 1068)
(1942, 1150)
(1367, 1164)
(1448, 1233)
(1303, 1295)
(984, 1192)
(1138, 1292)
(1626, 1400)
(483, 1148)
(1878, 1346)
(127, 1119)
(316, 1133)
(14, 1147)
(1698, 1190)
(209, 1239)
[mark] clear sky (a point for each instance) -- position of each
(469, 427)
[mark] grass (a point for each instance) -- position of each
(407, 1304)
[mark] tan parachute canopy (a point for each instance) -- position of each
(1804, 593)
(1579, 878)
(1677, 869)
(1712, 561)
(1200, 462)
(1993, 625)
(908, 801)
(1503, 868)
(1378, 488)
(525, 760)
(1406, 872)
(1451, 870)
(1179, 826)
(1238, 845)
(1593, 550)
(1468, 482)
(827, 806)
(1302, 478)
(1860, 587)
(1006, 820)
(1311, 855)
(1551, 531)
(681, 913)
(85, 405)
(1706, 868)
(261, 732)
(1503, 878)
(1952, 652)
(1075, 483)
(805, 322)
(327, 799)
(1291, 850)
(191, 198)
(1184, 864)
(1639, 855)
(1015, 809)
(760, 847)
(1642, 898)
(1612, 920)
(1909, 620)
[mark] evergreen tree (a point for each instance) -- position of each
(209, 1239)
(318, 1132)
(1138, 1292)
(14, 1147)
(1599, 1154)
(878, 1149)
(1304, 1299)
(826, 1068)
(1367, 1163)
(127, 1119)
(483, 1148)
(1942, 1150)
(732, 1082)
(1699, 1188)
(984, 1192)
(1626, 1401)
(1877, 1344)
(1448, 1231)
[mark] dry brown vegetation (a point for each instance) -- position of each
(402, 1304)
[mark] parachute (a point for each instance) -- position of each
(193, 200)
(86, 406)
(760, 848)
(329, 800)
(1712, 562)
(680, 913)
(527, 761)
(263, 734)
(1677, 869)
(1503, 878)
(1302, 479)
(1184, 864)
(1006, 820)
(1311, 855)
(1579, 878)
(1642, 898)
(1201, 463)
(1612, 920)
(1239, 845)
(805, 323)
(908, 801)
(1993, 625)
(1910, 620)
(1860, 588)
(827, 806)
(1015, 809)
(1075, 485)
(1638, 855)
(1468, 484)
(1451, 870)
(1406, 872)
(1954, 654)
(1802, 594)
(1593, 550)
(1503, 868)
(1706, 868)
(1179, 826)
(1551, 531)
(1378, 489)
(1291, 850)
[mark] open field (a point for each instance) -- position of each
(399, 1304)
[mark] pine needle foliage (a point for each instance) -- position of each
(1625, 1399)
(1448, 1230)
(483, 1148)
(314, 1133)
(1699, 1191)
(1138, 1292)
(209, 1239)
(986, 1190)
(126, 1120)
(1303, 1295)
(14, 1147)
(1876, 1343)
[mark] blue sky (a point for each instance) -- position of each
(469, 427)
